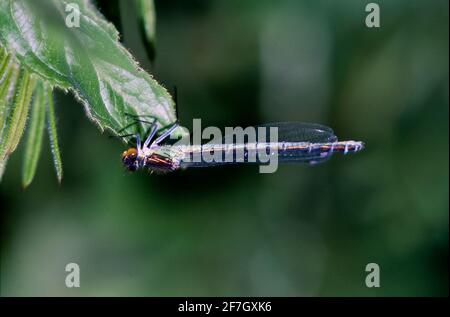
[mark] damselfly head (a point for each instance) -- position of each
(130, 159)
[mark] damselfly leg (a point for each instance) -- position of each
(151, 134)
(163, 132)
(136, 121)
(166, 134)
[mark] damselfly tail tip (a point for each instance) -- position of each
(360, 146)
(354, 146)
(347, 147)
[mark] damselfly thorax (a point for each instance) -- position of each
(297, 142)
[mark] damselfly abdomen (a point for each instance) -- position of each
(292, 142)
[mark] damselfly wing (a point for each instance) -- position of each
(300, 132)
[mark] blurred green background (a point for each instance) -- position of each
(231, 231)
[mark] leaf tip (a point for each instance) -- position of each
(25, 185)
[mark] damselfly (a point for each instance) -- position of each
(297, 142)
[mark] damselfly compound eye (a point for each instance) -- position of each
(129, 153)
(129, 159)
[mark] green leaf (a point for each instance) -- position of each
(146, 12)
(17, 116)
(7, 84)
(89, 60)
(34, 139)
(52, 132)
(7, 80)
(4, 63)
